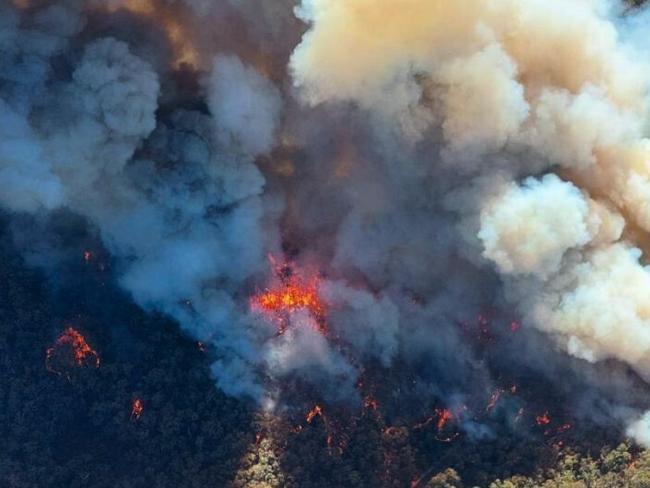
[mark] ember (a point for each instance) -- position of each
(81, 353)
(88, 256)
(136, 409)
(444, 416)
(543, 419)
(370, 402)
(313, 413)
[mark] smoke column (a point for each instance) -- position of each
(427, 160)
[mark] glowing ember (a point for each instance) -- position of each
(81, 353)
(370, 402)
(292, 293)
(316, 411)
(441, 417)
(136, 409)
(543, 419)
(444, 416)
(88, 256)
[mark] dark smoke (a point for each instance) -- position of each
(440, 195)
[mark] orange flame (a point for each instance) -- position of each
(317, 410)
(82, 353)
(441, 416)
(444, 416)
(293, 293)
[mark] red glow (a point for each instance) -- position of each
(136, 409)
(291, 293)
(515, 326)
(444, 416)
(81, 352)
(441, 416)
(88, 256)
(543, 419)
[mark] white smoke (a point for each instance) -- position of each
(529, 228)
(520, 87)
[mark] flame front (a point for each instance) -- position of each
(82, 353)
(292, 293)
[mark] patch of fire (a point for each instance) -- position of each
(336, 439)
(70, 350)
(497, 395)
(136, 409)
(291, 291)
(445, 422)
(543, 419)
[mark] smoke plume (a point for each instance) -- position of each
(419, 163)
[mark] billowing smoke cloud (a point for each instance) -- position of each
(426, 161)
(245, 105)
(512, 88)
(530, 228)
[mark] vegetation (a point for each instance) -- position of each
(615, 468)
(78, 429)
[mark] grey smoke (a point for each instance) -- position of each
(422, 185)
